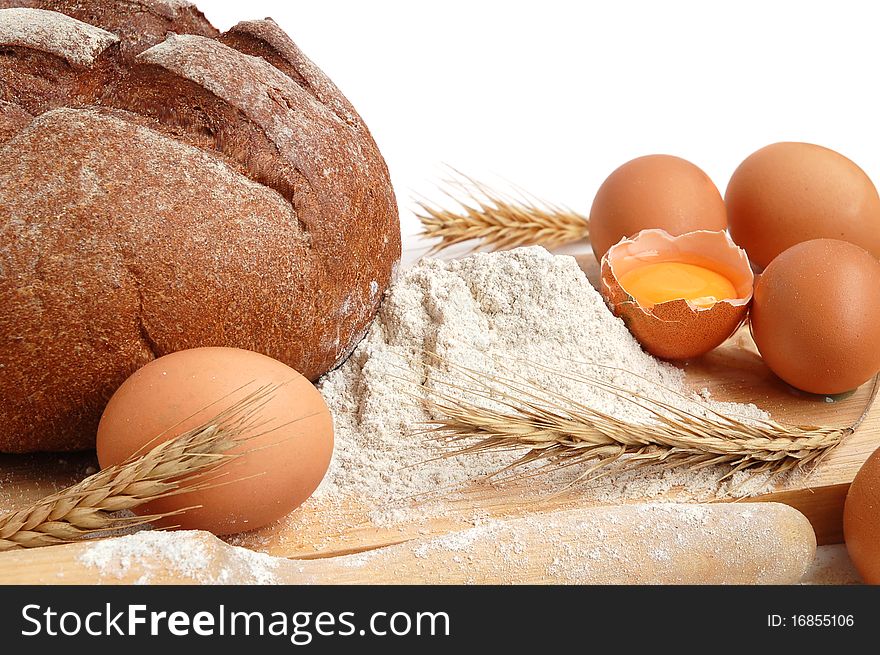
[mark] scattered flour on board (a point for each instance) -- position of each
(184, 554)
(497, 313)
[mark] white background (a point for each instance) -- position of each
(554, 95)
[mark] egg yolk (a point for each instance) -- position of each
(656, 283)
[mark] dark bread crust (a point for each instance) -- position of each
(263, 38)
(140, 24)
(12, 119)
(201, 192)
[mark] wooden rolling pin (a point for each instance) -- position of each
(726, 543)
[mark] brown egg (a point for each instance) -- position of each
(655, 191)
(861, 520)
(680, 296)
(183, 390)
(788, 193)
(816, 316)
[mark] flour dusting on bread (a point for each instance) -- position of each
(77, 42)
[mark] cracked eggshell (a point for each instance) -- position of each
(678, 329)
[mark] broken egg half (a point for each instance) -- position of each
(680, 296)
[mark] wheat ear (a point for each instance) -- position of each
(186, 463)
(563, 432)
(496, 220)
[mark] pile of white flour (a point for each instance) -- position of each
(497, 313)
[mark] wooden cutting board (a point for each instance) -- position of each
(733, 372)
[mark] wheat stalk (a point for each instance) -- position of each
(496, 220)
(561, 432)
(189, 462)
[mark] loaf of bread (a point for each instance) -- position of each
(164, 186)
